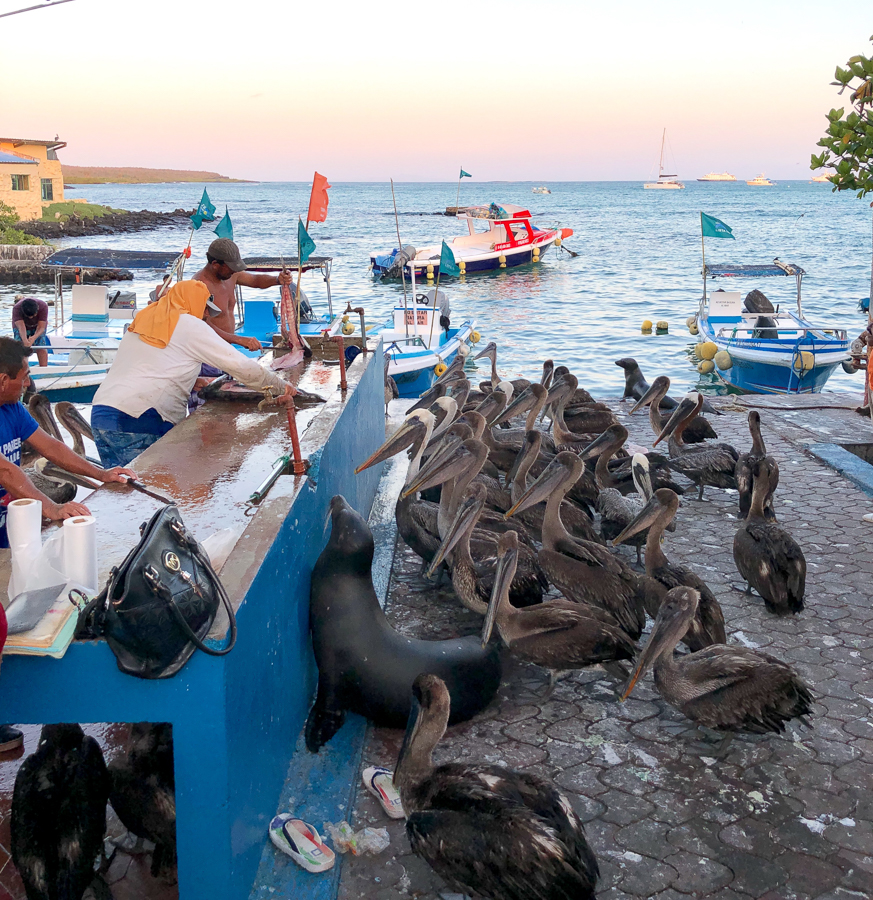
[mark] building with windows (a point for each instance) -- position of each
(30, 175)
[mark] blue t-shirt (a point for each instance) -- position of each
(16, 425)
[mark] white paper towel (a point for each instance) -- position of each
(24, 528)
(80, 551)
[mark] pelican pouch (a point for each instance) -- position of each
(160, 603)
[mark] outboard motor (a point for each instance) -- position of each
(442, 304)
(756, 302)
(401, 258)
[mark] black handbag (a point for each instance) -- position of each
(160, 603)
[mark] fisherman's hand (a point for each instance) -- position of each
(201, 383)
(118, 473)
(55, 511)
(288, 396)
(250, 343)
(285, 277)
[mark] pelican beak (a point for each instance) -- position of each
(670, 625)
(506, 565)
(71, 417)
(488, 351)
(404, 437)
(681, 412)
(533, 440)
(645, 519)
(598, 445)
(522, 403)
(553, 477)
(441, 468)
(648, 397)
(465, 520)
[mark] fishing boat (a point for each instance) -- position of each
(540, 190)
(762, 351)
(498, 237)
(664, 182)
(718, 176)
(761, 181)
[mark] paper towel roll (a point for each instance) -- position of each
(24, 529)
(80, 551)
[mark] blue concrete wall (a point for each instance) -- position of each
(236, 719)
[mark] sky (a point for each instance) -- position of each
(555, 90)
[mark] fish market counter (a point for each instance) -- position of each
(236, 719)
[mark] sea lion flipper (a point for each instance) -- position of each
(325, 718)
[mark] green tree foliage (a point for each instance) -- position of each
(9, 234)
(848, 141)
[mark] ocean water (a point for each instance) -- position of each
(639, 258)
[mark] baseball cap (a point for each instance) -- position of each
(226, 251)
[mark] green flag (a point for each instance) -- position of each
(464, 175)
(712, 227)
(205, 211)
(448, 266)
(224, 229)
(305, 244)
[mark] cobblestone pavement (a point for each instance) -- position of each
(785, 817)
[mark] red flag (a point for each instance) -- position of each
(318, 200)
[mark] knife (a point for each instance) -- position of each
(138, 486)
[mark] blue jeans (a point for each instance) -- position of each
(121, 438)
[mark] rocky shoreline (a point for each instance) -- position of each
(111, 223)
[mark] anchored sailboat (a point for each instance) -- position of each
(664, 182)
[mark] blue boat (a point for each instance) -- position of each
(761, 349)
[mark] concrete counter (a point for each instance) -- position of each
(235, 718)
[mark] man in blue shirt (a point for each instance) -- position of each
(17, 425)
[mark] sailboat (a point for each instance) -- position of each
(664, 182)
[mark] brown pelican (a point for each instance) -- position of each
(391, 390)
(707, 627)
(582, 570)
(767, 557)
(594, 419)
(490, 351)
(697, 430)
(473, 580)
(487, 830)
(453, 374)
(743, 470)
(495, 402)
(548, 373)
(57, 485)
(726, 688)
(706, 464)
(556, 634)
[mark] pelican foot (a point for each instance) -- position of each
(554, 678)
(740, 587)
(715, 747)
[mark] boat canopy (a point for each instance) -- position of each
(765, 270)
(277, 263)
(80, 257)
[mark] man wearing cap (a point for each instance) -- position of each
(223, 271)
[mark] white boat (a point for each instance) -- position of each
(718, 176)
(761, 181)
(540, 190)
(664, 182)
(824, 178)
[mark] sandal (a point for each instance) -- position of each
(379, 782)
(301, 842)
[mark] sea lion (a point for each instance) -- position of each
(364, 665)
(635, 385)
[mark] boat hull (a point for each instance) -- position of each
(413, 369)
(476, 265)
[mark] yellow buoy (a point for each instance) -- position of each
(557, 242)
(462, 266)
(691, 320)
(705, 350)
(502, 260)
(646, 327)
(723, 360)
(662, 326)
(804, 361)
(694, 329)
(705, 366)
(430, 270)
(440, 369)
(475, 337)
(348, 328)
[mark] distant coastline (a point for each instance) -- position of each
(135, 175)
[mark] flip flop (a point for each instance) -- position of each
(301, 842)
(380, 783)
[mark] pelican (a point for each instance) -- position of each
(472, 580)
(743, 469)
(707, 626)
(727, 688)
(697, 430)
(767, 557)
(556, 634)
(57, 484)
(594, 419)
(391, 390)
(490, 351)
(582, 570)
(495, 402)
(487, 830)
(708, 464)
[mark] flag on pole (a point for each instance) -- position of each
(318, 199)
(205, 211)
(305, 244)
(448, 266)
(224, 229)
(712, 227)
(464, 175)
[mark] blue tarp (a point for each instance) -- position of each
(112, 259)
(765, 270)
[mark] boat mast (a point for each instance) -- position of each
(661, 163)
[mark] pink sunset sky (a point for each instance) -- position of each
(548, 91)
